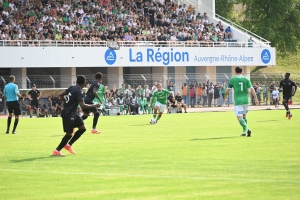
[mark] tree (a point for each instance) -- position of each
(275, 20)
(225, 8)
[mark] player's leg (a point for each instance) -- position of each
(245, 108)
(32, 108)
(286, 106)
(156, 107)
(161, 109)
(184, 107)
(95, 121)
(10, 112)
(86, 113)
(68, 125)
(36, 105)
(17, 113)
(239, 112)
(81, 129)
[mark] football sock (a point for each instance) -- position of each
(84, 117)
(154, 116)
(63, 142)
(158, 118)
(8, 123)
(76, 136)
(244, 125)
(95, 120)
(15, 124)
(245, 119)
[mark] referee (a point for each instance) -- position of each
(11, 93)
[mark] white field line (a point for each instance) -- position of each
(150, 176)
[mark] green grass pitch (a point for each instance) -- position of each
(184, 156)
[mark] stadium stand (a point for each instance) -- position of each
(67, 21)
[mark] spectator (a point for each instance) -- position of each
(122, 90)
(184, 92)
(216, 93)
(250, 42)
(171, 102)
(143, 103)
(24, 104)
(139, 91)
(192, 95)
(180, 103)
(109, 104)
(129, 91)
(54, 101)
(210, 93)
(204, 94)
(271, 88)
(127, 104)
(199, 94)
(228, 33)
(42, 111)
(48, 104)
(170, 85)
(223, 90)
(121, 104)
(59, 105)
(147, 92)
(134, 105)
(114, 91)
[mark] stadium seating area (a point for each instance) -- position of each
(106, 20)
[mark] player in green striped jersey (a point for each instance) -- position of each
(161, 96)
(241, 86)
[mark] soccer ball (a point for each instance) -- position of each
(152, 121)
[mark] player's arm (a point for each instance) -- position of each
(254, 95)
(62, 96)
(17, 92)
(295, 89)
(88, 106)
(39, 94)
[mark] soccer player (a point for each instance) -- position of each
(101, 94)
(289, 90)
(34, 96)
(161, 101)
(70, 118)
(241, 86)
(11, 93)
(91, 94)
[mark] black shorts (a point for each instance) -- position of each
(93, 110)
(70, 122)
(34, 103)
(287, 97)
(275, 100)
(13, 107)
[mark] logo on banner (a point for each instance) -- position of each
(110, 56)
(265, 56)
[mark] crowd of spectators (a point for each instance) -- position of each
(107, 20)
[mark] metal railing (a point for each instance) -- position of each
(61, 43)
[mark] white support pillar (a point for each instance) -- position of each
(69, 78)
(116, 74)
(20, 74)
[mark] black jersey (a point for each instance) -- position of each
(178, 99)
(34, 94)
(54, 101)
(74, 96)
(89, 94)
(287, 86)
(170, 98)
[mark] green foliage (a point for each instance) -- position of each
(184, 156)
(225, 8)
(277, 21)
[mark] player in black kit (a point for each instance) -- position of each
(289, 90)
(91, 94)
(34, 96)
(70, 118)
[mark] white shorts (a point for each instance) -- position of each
(241, 110)
(161, 107)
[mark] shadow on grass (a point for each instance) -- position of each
(268, 120)
(32, 159)
(141, 124)
(217, 138)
